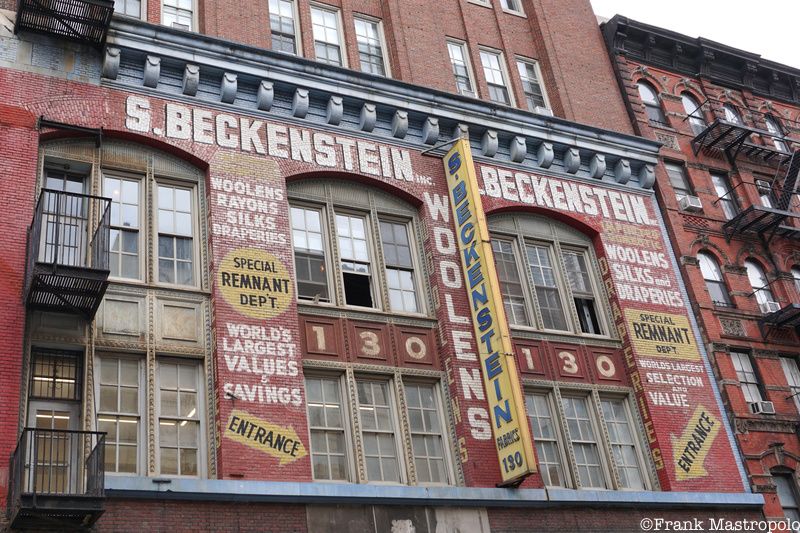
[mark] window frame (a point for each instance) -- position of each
(202, 444)
(298, 38)
(696, 117)
(141, 444)
(732, 114)
(379, 279)
(791, 371)
(337, 13)
(779, 136)
(795, 271)
(558, 435)
(653, 106)
(195, 235)
(747, 383)
(141, 229)
(686, 189)
(554, 393)
(355, 454)
(556, 248)
(142, 10)
(790, 478)
(720, 283)
(195, 22)
(467, 58)
(518, 10)
(387, 70)
(520, 60)
(762, 294)
(327, 252)
(503, 69)
(530, 314)
(721, 180)
(347, 424)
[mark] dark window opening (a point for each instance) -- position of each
(55, 375)
(357, 290)
(587, 316)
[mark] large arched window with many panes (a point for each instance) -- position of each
(355, 246)
(548, 277)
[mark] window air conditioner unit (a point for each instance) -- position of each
(762, 408)
(769, 307)
(691, 203)
(543, 110)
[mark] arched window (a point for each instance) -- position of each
(695, 113)
(732, 114)
(760, 285)
(339, 230)
(651, 103)
(774, 127)
(796, 276)
(547, 282)
(787, 494)
(714, 280)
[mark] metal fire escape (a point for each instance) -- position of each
(84, 21)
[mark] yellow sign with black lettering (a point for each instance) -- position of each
(503, 392)
(662, 335)
(691, 448)
(272, 439)
(255, 283)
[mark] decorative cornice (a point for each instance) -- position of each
(207, 71)
(721, 64)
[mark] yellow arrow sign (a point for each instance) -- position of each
(691, 448)
(266, 437)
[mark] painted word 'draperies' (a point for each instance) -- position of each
(509, 425)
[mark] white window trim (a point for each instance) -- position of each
(142, 445)
(143, 12)
(539, 77)
(482, 3)
(195, 17)
(196, 272)
(298, 39)
(467, 60)
(638, 445)
(347, 424)
(327, 246)
(142, 230)
(339, 29)
(517, 12)
(387, 67)
(599, 439)
(501, 58)
(202, 467)
(600, 303)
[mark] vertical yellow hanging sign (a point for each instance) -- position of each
(510, 429)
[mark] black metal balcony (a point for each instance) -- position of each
(85, 21)
(786, 317)
(733, 139)
(768, 222)
(68, 247)
(56, 479)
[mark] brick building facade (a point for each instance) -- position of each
(236, 299)
(728, 121)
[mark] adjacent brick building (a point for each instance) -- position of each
(728, 122)
(236, 299)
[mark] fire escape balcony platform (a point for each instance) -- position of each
(761, 220)
(68, 253)
(768, 155)
(722, 135)
(84, 21)
(57, 480)
(786, 317)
